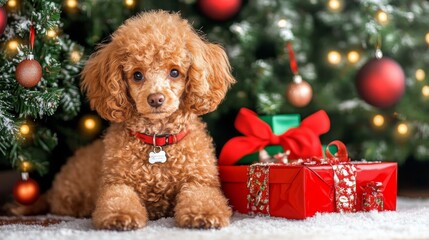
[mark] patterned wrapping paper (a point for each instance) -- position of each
(299, 191)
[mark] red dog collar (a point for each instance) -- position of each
(159, 140)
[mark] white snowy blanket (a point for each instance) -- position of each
(410, 221)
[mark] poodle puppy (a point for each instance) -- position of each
(152, 82)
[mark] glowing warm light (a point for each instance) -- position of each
(24, 129)
(129, 3)
(353, 57)
(420, 74)
(334, 57)
(427, 37)
(25, 166)
(71, 3)
(335, 5)
(402, 128)
(378, 120)
(425, 91)
(13, 45)
(91, 124)
(75, 56)
(282, 23)
(382, 17)
(51, 33)
(12, 3)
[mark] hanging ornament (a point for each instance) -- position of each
(29, 72)
(26, 190)
(219, 10)
(381, 81)
(299, 92)
(3, 20)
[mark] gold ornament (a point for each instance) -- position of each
(299, 92)
(28, 72)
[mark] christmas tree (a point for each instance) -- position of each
(39, 92)
(333, 41)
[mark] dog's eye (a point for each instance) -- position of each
(138, 76)
(174, 73)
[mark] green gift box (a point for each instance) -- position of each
(279, 124)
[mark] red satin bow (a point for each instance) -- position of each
(302, 141)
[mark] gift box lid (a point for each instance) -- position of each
(281, 123)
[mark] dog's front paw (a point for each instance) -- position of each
(200, 220)
(119, 221)
(194, 209)
(118, 207)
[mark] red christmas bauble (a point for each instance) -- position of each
(299, 93)
(3, 20)
(28, 73)
(219, 10)
(381, 82)
(26, 192)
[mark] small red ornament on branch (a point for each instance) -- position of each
(299, 93)
(29, 72)
(3, 20)
(26, 190)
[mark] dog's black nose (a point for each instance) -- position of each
(156, 99)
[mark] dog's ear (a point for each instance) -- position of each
(209, 76)
(102, 80)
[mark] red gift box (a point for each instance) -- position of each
(299, 191)
(310, 183)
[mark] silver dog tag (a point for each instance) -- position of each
(157, 156)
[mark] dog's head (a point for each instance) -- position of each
(154, 65)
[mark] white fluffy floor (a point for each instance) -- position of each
(410, 221)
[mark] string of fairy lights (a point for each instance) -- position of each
(72, 4)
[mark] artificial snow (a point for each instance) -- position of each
(410, 221)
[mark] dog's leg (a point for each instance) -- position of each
(39, 207)
(202, 207)
(118, 207)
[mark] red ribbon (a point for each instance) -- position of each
(302, 141)
(341, 156)
(292, 60)
(32, 36)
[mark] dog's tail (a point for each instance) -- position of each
(41, 206)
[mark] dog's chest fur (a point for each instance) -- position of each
(191, 160)
(158, 184)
